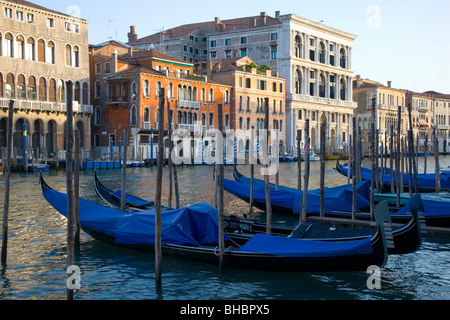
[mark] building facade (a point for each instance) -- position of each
(126, 84)
(387, 101)
(315, 60)
(250, 88)
(40, 50)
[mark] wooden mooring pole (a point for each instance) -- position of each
(322, 167)
(306, 177)
(169, 160)
(158, 196)
(266, 176)
(124, 170)
(76, 190)
(7, 173)
(299, 160)
(437, 169)
(69, 184)
(252, 168)
(220, 194)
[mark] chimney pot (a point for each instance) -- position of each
(389, 84)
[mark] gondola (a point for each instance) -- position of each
(191, 233)
(406, 239)
(436, 213)
(426, 182)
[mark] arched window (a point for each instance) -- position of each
(134, 91)
(281, 125)
(31, 49)
(146, 89)
(241, 104)
(133, 116)
(85, 93)
(241, 123)
(203, 119)
(281, 107)
(68, 55)
(298, 47)
(322, 86)
(61, 92)
(321, 52)
(227, 120)
(97, 116)
(41, 50)
(248, 124)
(343, 58)
(274, 106)
(158, 89)
(51, 52)
(343, 89)
(298, 82)
(248, 104)
(211, 119)
(189, 91)
(9, 88)
(146, 115)
(76, 57)
(42, 89)
(227, 96)
(31, 88)
(170, 91)
(97, 89)
(21, 92)
(9, 50)
(52, 90)
(203, 95)
(76, 92)
(211, 95)
(20, 45)
(194, 94)
(1, 45)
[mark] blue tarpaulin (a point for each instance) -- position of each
(289, 247)
(336, 199)
(195, 225)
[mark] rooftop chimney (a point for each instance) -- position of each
(277, 14)
(132, 36)
(263, 18)
(217, 21)
(389, 84)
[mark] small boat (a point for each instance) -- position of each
(426, 182)
(312, 156)
(288, 158)
(38, 167)
(192, 233)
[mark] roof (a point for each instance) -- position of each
(139, 54)
(35, 6)
(210, 27)
(99, 45)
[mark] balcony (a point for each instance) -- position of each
(324, 101)
(188, 104)
(46, 106)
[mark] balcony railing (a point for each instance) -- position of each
(188, 104)
(325, 101)
(46, 106)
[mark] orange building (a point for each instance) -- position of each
(126, 83)
(251, 86)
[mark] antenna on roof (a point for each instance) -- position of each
(109, 26)
(162, 38)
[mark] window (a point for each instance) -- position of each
(21, 92)
(170, 91)
(243, 40)
(227, 97)
(213, 55)
(298, 47)
(185, 48)
(274, 53)
(19, 15)
(146, 89)
(42, 89)
(76, 57)
(9, 45)
(31, 91)
(30, 17)
(51, 52)
(68, 27)
(97, 89)
(213, 44)
(41, 50)
(8, 13)
(76, 28)
(31, 49)
(107, 67)
(228, 42)
(227, 53)
(248, 83)
(97, 116)
(50, 23)
(244, 52)
(211, 95)
(68, 55)
(133, 116)
(20, 45)
(98, 68)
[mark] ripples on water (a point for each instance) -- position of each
(37, 261)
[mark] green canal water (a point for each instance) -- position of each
(37, 251)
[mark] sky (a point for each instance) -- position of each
(403, 41)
